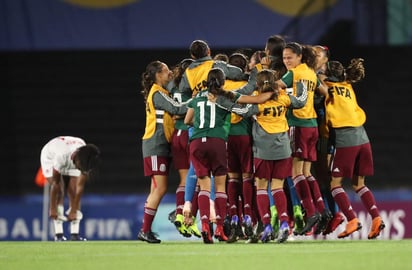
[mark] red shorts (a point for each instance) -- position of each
(180, 149)
(239, 154)
(269, 169)
(353, 160)
(155, 165)
(303, 141)
(208, 156)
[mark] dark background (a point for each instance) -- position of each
(96, 95)
(75, 70)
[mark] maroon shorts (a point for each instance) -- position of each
(180, 149)
(353, 160)
(239, 154)
(269, 169)
(208, 156)
(155, 165)
(303, 141)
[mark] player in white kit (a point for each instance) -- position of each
(67, 158)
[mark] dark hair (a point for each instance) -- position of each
(266, 82)
(149, 77)
(352, 74)
(238, 60)
(308, 53)
(179, 70)
(275, 45)
(257, 56)
(215, 82)
(309, 56)
(221, 57)
(355, 71)
(89, 157)
(199, 49)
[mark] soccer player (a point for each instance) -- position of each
(331, 218)
(67, 158)
(353, 155)
(240, 186)
(208, 151)
(272, 153)
(156, 140)
(181, 160)
(300, 62)
(194, 79)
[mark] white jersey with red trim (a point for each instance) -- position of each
(57, 155)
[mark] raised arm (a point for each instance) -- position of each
(164, 102)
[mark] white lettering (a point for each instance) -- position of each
(3, 228)
(395, 220)
(90, 226)
(20, 229)
(123, 230)
(37, 231)
(108, 228)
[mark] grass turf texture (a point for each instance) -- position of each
(123, 255)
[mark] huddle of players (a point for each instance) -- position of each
(243, 195)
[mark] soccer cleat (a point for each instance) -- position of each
(248, 225)
(172, 216)
(274, 221)
(310, 223)
(149, 237)
(233, 229)
(59, 237)
(206, 235)
(77, 237)
(266, 234)
(377, 227)
(181, 228)
(239, 232)
(226, 225)
(337, 219)
(298, 218)
(220, 234)
(325, 217)
(351, 227)
(283, 232)
(193, 229)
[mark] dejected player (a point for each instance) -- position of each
(67, 158)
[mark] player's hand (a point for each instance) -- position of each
(53, 213)
(265, 62)
(72, 215)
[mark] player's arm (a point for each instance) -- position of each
(248, 88)
(261, 98)
(165, 102)
(189, 116)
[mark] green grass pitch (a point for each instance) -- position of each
(124, 255)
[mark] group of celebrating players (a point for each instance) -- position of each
(243, 134)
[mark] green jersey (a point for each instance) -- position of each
(210, 119)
